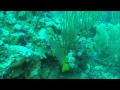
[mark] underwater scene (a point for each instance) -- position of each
(59, 44)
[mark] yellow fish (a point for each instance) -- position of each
(65, 68)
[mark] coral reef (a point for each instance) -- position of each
(59, 45)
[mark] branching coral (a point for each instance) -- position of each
(74, 22)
